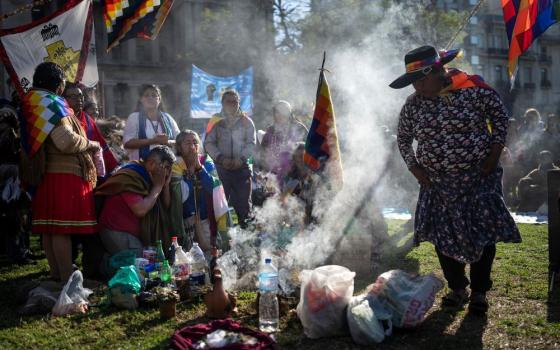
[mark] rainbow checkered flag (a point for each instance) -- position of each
(128, 19)
(322, 152)
(42, 111)
(525, 20)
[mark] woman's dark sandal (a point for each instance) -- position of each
(455, 299)
(478, 303)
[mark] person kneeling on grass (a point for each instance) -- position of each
(136, 199)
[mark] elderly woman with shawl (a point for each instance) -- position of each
(204, 207)
(58, 161)
(460, 125)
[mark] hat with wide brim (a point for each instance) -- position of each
(419, 63)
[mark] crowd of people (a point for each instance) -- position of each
(81, 181)
(108, 185)
(532, 148)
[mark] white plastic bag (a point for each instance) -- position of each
(325, 293)
(368, 321)
(74, 297)
(407, 297)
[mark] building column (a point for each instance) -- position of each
(109, 100)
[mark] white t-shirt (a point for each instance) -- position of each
(152, 128)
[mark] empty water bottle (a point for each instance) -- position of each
(268, 301)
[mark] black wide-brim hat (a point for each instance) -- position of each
(419, 63)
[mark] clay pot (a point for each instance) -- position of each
(219, 304)
(184, 289)
(167, 309)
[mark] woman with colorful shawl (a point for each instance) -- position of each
(91, 246)
(135, 203)
(460, 125)
(59, 156)
(204, 205)
(149, 126)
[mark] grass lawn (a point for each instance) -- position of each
(519, 317)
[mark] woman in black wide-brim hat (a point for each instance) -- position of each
(460, 125)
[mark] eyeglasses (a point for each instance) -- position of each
(153, 95)
(231, 102)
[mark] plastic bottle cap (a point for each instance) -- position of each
(267, 260)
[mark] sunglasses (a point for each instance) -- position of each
(426, 71)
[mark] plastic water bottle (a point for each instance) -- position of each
(268, 301)
(182, 266)
(199, 266)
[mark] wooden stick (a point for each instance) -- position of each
(467, 19)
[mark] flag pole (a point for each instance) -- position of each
(465, 21)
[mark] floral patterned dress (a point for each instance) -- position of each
(463, 211)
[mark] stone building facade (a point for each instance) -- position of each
(222, 37)
(537, 82)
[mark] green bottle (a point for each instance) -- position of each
(165, 273)
(160, 256)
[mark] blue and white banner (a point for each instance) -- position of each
(207, 89)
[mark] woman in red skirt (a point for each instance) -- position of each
(63, 170)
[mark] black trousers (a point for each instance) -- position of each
(454, 271)
(238, 187)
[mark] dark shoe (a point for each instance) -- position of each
(478, 303)
(455, 299)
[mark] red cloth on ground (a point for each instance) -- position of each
(116, 213)
(63, 204)
(93, 134)
(186, 337)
